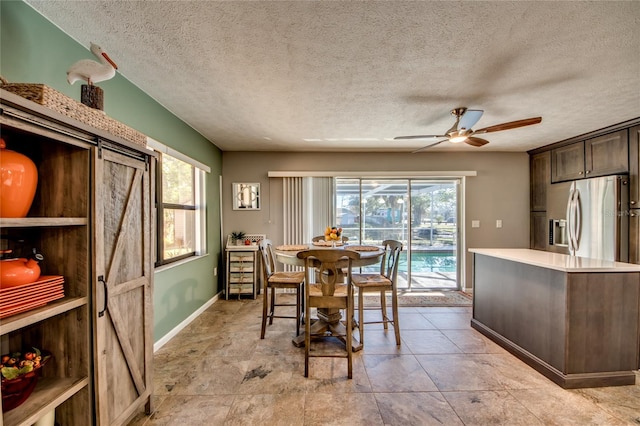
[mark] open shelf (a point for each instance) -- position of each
(48, 394)
(16, 322)
(42, 221)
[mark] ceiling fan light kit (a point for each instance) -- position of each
(458, 136)
(461, 131)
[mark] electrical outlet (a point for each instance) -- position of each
(499, 223)
(475, 224)
(215, 272)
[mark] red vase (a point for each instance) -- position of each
(19, 178)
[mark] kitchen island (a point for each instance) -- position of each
(575, 320)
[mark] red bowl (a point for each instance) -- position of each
(16, 391)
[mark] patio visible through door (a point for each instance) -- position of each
(422, 213)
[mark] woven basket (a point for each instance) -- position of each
(52, 99)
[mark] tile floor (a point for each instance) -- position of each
(217, 371)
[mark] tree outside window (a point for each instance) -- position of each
(177, 210)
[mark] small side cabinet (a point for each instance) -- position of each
(242, 273)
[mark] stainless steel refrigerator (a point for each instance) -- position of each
(590, 218)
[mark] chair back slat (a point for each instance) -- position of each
(268, 258)
(324, 266)
(391, 259)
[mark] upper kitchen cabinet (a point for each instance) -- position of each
(634, 167)
(567, 162)
(600, 156)
(607, 154)
(540, 169)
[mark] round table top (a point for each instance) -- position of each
(290, 256)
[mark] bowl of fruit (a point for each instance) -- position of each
(20, 371)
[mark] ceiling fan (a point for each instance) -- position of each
(461, 130)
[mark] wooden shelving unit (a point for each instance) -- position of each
(92, 220)
(58, 227)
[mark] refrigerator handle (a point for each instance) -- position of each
(578, 217)
(570, 220)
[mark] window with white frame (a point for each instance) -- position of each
(181, 206)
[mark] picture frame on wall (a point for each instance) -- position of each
(246, 196)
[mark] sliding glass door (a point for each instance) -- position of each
(421, 213)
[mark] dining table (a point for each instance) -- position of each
(328, 318)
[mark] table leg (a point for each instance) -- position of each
(328, 320)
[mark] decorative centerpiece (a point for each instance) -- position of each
(20, 373)
(332, 233)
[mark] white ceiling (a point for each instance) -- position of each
(351, 75)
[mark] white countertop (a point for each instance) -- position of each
(557, 261)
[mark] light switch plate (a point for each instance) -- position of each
(499, 223)
(475, 224)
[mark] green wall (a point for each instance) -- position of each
(32, 50)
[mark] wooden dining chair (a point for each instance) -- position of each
(383, 282)
(274, 280)
(326, 289)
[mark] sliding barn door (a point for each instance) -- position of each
(123, 239)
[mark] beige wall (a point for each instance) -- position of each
(499, 191)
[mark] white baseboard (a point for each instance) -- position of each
(177, 329)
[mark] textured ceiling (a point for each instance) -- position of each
(346, 75)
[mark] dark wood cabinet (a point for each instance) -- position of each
(580, 329)
(609, 151)
(634, 236)
(600, 156)
(567, 162)
(539, 231)
(540, 175)
(634, 167)
(607, 154)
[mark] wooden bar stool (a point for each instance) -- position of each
(385, 281)
(274, 280)
(326, 290)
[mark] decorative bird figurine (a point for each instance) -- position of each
(92, 71)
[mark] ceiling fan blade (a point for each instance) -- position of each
(419, 137)
(428, 146)
(509, 125)
(476, 141)
(470, 118)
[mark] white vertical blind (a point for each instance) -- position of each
(293, 210)
(307, 207)
(323, 201)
